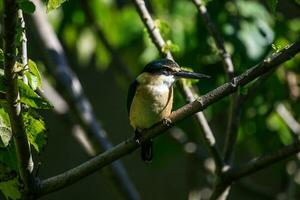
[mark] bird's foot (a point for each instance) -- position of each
(167, 122)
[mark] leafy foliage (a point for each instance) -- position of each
(33, 76)
(32, 99)
(10, 189)
(35, 130)
(27, 6)
(54, 4)
(33, 123)
(8, 157)
(5, 130)
(169, 46)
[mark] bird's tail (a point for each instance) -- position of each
(147, 150)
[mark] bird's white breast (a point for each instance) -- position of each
(152, 101)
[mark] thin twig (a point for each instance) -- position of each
(226, 58)
(73, 175)
(229, 70)
(151, 28)
(13, 98)
(263, 162)
(236, 173)
(208, 134)
(186, 92)
(72, 86)
(292, 82)
(23, 46)
(292, 166)
(235, 106)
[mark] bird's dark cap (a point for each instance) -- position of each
(159, 65)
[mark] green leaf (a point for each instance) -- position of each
(170, 46)
(6, 173)
(11, 189)
(8, 157)
(279, 44)
(163, 27)
(27, 6)
(53, 4)
(32, 80)
(5, 135)
(32, 99)
(35, 130)
(33, 75)
(5, 129)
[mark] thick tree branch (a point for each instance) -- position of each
(71, 85)
(13, 98)
(186, 91)
(71, 176)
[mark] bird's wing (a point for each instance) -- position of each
(131, 93)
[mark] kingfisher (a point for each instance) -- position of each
(150, 97)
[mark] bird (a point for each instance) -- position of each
(150, 98)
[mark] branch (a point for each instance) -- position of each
(151, 28)
(25, 163)
(228, 66)
(294, 126)
(23, 46)
(262, 162)
(233, 174)
(234, 111)
(186, 92)
(72, 86)
(73, 175)
(208, 135)
(292, 82)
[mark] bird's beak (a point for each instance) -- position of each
(190, 75)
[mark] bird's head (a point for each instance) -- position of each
(168, 70)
